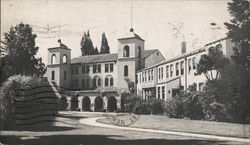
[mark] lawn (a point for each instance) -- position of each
(70, 132)
(192, 126)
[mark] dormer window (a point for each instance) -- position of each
(126, 51)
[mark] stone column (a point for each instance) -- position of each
(80, 102)
(118, 99)
(69, 103)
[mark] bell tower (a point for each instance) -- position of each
(58, 67)
(130, 57)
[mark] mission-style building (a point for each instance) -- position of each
(99, 80)
(96, 82)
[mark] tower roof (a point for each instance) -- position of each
(130, 34)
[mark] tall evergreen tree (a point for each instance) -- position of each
(96, 51)
(104, 46)
(87, 44)
(20, 50)
(239, 31)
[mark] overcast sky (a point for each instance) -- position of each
(152, 20)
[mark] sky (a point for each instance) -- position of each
(162, 24)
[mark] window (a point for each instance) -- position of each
(53, 75)
(149, 75)
(65, 75)
(106, 81)
(125, 70)
(152, 74)
(96, 81)
(139, 51)
(161, 72)
(87, 83)
(194, 62)
(76, 83)
(142, 76)
(201, 86)
(99, 82)
(53, 59)
(83, 84)
(167, 71)
(177, 68)
(76, 69)
(218, 48)
(163, 92)
(171, 70)
(189, 65)
(97, 68)
(106, 67)
(159, 92)
(72, 83)
(72, 69)
(182, 67)
(85, 69)
(111, 81)
(111, 67)
(146, 76)
(126, 51)
(64, 58)
(94, 68)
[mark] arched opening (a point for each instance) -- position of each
(125, 70)
(139, 51)
(126, 51)
(53, 59)
(64, 58)
(53, 75)
(98, 104)
(96, 81)
(111, 82)
(106, 81)
(74, 103)
(63, 103)
(112, 104)
(86, 103)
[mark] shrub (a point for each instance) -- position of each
(192, 106)
(7, 95)
(174, 108)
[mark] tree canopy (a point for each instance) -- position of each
(20, 48)
(215, 61)
(87, 45)
(104, 45)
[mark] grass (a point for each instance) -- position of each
(79, 134)
(192, 126)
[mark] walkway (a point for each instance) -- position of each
(92, 122)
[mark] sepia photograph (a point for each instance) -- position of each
(125, 72)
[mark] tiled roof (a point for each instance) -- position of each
(131, 35)
(149, 52)
(104, 57)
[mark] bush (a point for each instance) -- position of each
(193, 107)
(7, 96)
(174, 108)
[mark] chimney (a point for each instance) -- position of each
(183, 47)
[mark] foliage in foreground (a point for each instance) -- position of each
(20, 48)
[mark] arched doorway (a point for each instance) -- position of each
(112, 104)
(74, 103)
(86, 103)
(63, 103)
(98, 104)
